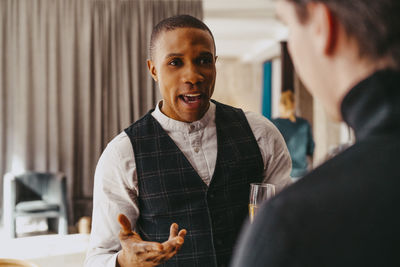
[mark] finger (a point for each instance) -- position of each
(125, 224)
(182, 233)
(173, 244)
(169, 246)
(148, 247)
(173, 231)
(178, 239)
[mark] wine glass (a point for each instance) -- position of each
(259, 192)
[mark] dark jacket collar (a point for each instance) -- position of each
(372, 107)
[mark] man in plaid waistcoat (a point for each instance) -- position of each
(188, 162)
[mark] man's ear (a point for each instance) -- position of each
(152, 69)
(325, 28)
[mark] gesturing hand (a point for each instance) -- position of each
(139, 253)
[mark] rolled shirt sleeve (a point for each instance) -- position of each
(276, 157)
(115, 192)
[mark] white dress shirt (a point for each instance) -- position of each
(116, 186)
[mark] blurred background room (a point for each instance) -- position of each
(73, 74)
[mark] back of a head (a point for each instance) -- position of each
(375, 25)
(175, 22)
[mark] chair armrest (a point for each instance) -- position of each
(9, 189)
(9, 199)
(59, 193)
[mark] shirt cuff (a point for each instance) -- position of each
(113, 261)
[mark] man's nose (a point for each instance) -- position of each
(191, 74)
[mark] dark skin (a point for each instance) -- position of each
(136, 252)
(183, 66)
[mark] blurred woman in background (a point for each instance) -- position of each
(297, 134)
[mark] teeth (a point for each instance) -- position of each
(191, 98)
(192, 95)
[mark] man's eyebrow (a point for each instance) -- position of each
(206, 54)
(174, 55)
(181, 55)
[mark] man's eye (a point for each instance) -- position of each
(175, 62)
(205, 61)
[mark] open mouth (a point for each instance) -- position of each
(191, 98)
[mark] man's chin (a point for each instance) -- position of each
(193, 113)
(191, 116)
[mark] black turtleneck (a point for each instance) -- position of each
(372, 107)
(346, 211)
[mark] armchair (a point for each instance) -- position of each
(35, 194)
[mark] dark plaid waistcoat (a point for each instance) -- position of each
(170, 190)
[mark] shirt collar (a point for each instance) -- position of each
(169, 124)
(372, 106)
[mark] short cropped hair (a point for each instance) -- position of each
(172, 23)
(374, 24)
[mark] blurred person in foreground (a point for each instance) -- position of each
(345, 212)
(297, 134)
(187, 163)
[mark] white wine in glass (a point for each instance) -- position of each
(259, 193)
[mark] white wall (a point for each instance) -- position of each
(239, 84)
(276, 86)
(327, 133)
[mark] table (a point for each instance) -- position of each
(47, 250)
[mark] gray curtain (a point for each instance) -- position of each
(73, 74)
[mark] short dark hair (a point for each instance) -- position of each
(374, 24)
(172, 23)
